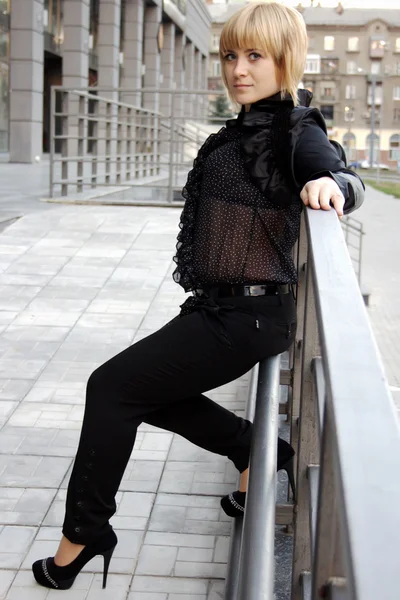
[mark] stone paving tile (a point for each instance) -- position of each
(19, 506)
(36, 441)
(32, 471)
(13, 544)
(14, 389)
(180, 514)
(6, 579)
(20, 368)
(36, 414)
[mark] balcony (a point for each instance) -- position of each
(377, 47)
(328, 98)
(329, 66)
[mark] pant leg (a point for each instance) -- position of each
(182, 360)
(207, 425)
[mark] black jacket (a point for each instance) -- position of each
(286, 146)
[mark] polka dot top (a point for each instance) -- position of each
(239, 236)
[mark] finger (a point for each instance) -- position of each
(338, 203)
(325, 195)
(313, 195)
(304, 196)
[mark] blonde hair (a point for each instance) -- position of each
(278, 30)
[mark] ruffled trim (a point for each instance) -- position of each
(184, 272)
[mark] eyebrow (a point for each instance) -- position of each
(247, 50)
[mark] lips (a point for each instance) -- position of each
(241, 85)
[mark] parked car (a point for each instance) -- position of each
(356, 164)
(365, 164)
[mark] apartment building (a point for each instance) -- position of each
(353, 70)
(106, 43)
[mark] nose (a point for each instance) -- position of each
(240, 69)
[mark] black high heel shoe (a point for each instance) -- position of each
(233, 504)
(50, 575)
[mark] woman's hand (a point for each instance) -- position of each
(323, 193)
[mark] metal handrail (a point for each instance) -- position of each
(347, 515)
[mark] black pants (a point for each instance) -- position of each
(160, 380)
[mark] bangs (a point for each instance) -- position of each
(245, 31)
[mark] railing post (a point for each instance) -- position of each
(327, 559)
(171, 152)
(52, 140)
(81, 142)
(308, 438)
(257, 562)
(94, 143)
(64, 143)
(108, 142)
(128, 143)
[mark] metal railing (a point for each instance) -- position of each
(99, 141)
(354, 232)
(346, 519)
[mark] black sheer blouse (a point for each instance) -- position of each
(239, 235)
(242, 212)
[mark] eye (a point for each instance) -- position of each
(229, 57)
(254, 55)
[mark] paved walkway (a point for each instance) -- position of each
(77, 285)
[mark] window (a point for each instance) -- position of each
(329, 42)
(377, 48)
(350, 92)
(396, 115)
(375, 67)
(313, 63)
(348, 114)
(397, 68)
(349, 145)
(353, 44)
(327, 112)
(378, 95)
(328, 91)
(397, 45)
(394, 147)
(375, 146)
(351, 67)
(396, 92)
(215, 42)
(216, 72)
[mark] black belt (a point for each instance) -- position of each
(226, 291)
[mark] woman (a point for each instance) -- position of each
(234, 253)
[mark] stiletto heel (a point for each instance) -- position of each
(50, 575)
(289, 468)
(107, 557)
(233, 504)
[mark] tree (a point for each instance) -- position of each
(221, 108)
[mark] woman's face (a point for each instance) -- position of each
(251, 75)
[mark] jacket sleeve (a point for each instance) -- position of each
(313, 156)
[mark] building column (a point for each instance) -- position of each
(108, 46)
(152, 59)
(179, 73)
(76, 43)
(189, 78)
(167, 68)
(131, 76)
(26, 80)
(204, 84)
(198, 107)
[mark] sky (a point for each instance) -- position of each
(351, 3)
(345, 3)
